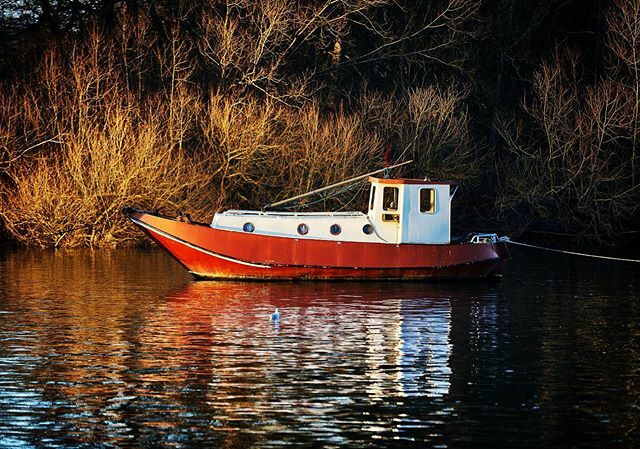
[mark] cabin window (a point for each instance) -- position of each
(303, 229)
(390, 198)
(335, 229)
(427, 201)
(373, 197)
(367, 229)
(248, 227)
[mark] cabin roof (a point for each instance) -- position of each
(411, 181)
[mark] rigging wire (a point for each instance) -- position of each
(355, 195)
(325, 198)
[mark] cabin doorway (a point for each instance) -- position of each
(391, 209)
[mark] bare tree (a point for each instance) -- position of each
(272, 45)
(565, 161)
(624, 42)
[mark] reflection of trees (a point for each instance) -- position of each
(93, 350)
(75, 327)
(112, 358)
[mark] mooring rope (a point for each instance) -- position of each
(544, 248)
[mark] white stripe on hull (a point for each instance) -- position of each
(194, 247)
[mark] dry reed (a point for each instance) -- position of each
(101, 125)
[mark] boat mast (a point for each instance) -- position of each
(333, 186)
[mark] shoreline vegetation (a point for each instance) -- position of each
(198, 106)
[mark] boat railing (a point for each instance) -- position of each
(244, 213)
(484, 238)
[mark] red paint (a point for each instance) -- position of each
(290, 258)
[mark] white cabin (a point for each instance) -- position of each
(400, 211)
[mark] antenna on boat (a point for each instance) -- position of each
(332, 186)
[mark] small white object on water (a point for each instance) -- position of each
(275, 316)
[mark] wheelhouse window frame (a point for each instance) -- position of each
(390, 198)
(427, 203)
(372, 200)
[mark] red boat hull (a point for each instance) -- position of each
(210, 253)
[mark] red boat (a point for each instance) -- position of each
(405, 234)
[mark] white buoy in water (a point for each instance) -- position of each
(275, 316)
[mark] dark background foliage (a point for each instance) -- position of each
(534, 105)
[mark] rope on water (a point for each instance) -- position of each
(595, 256)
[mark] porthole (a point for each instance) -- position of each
(335, 229)
(367, 229)
(303, 229)
(248, 227)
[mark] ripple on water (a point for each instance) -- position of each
(122, 349)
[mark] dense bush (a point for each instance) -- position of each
(203, 105)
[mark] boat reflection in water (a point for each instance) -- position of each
(336, 348)
(88, 358)
(119, 349)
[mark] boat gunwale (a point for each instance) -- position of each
(152, 228)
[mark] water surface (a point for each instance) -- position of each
(122, 349)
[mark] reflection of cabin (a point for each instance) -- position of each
(411, 210)
(400, 211)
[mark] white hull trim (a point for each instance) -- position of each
(192, 246)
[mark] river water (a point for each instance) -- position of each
(122, 349)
